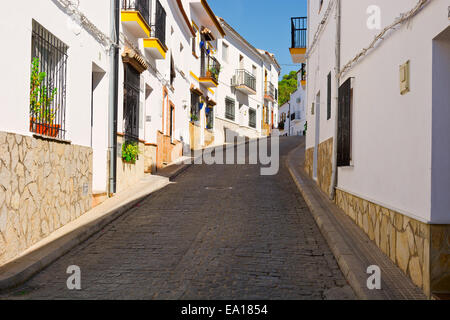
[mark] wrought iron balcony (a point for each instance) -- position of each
(141, 6)
(245, 82)
(303, 75)
(156, 44)
(299, 32)
(269, 91)
(159, 25)
(210, 70)
(298, 39)
(135, 17)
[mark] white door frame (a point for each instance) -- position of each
(317, 136)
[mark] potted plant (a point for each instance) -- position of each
(41, 99)
(130, 152)
(213, 72)
(194, 117)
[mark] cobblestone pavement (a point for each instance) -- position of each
(218, 232)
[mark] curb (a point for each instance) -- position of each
(350, 245)
(18, 271)
(346, 260)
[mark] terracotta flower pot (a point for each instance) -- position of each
(45, 129)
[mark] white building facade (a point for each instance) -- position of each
(293, 113)
(94, 101)
(54, 106)
(378, 124)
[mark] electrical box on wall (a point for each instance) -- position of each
(312, 109)
(404, 78)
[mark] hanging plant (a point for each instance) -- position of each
(202, 44)
(130, 152)
(208, 110)
(200, 106)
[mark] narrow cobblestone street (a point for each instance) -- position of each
(217, 232)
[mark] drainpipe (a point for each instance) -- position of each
(289, 128)
(113, 95)
(332, 192)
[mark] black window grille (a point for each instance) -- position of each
(209, 66)
(230, 106)
(299, 32)
(195, 108)
(329, 97)
(159, 26)
(210, 118)
(344, 125)
(142, 6)
(48, 83)
(131, 103)
(172, 70)
(252, 118)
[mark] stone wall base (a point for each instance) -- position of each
(209, 137)
(150, 158)
(195, 136)
(128, 174)
(167, 151)
(324, 165)
(422, 251)
(44, 185)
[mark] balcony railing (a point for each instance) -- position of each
(210, 67)
(142, 6)
(269, 90)
(245, 78)
(303, 72)
(159, 25)
(299, 32)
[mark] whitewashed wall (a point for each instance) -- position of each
(392, 134)
(251, 59)
(84, 50)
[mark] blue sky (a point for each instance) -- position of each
(264, 23)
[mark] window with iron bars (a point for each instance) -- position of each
(209, 118)
(48, 83)
(195, 108)
(229, 108)
(252, 118)
(131, 103)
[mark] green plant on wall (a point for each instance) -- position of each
(194, 117)
(130, 152)
(41, 97)
(215, 71)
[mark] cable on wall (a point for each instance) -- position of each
(404, 17)
(321, 27)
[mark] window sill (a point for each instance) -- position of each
(351, 166)
(54, 139)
